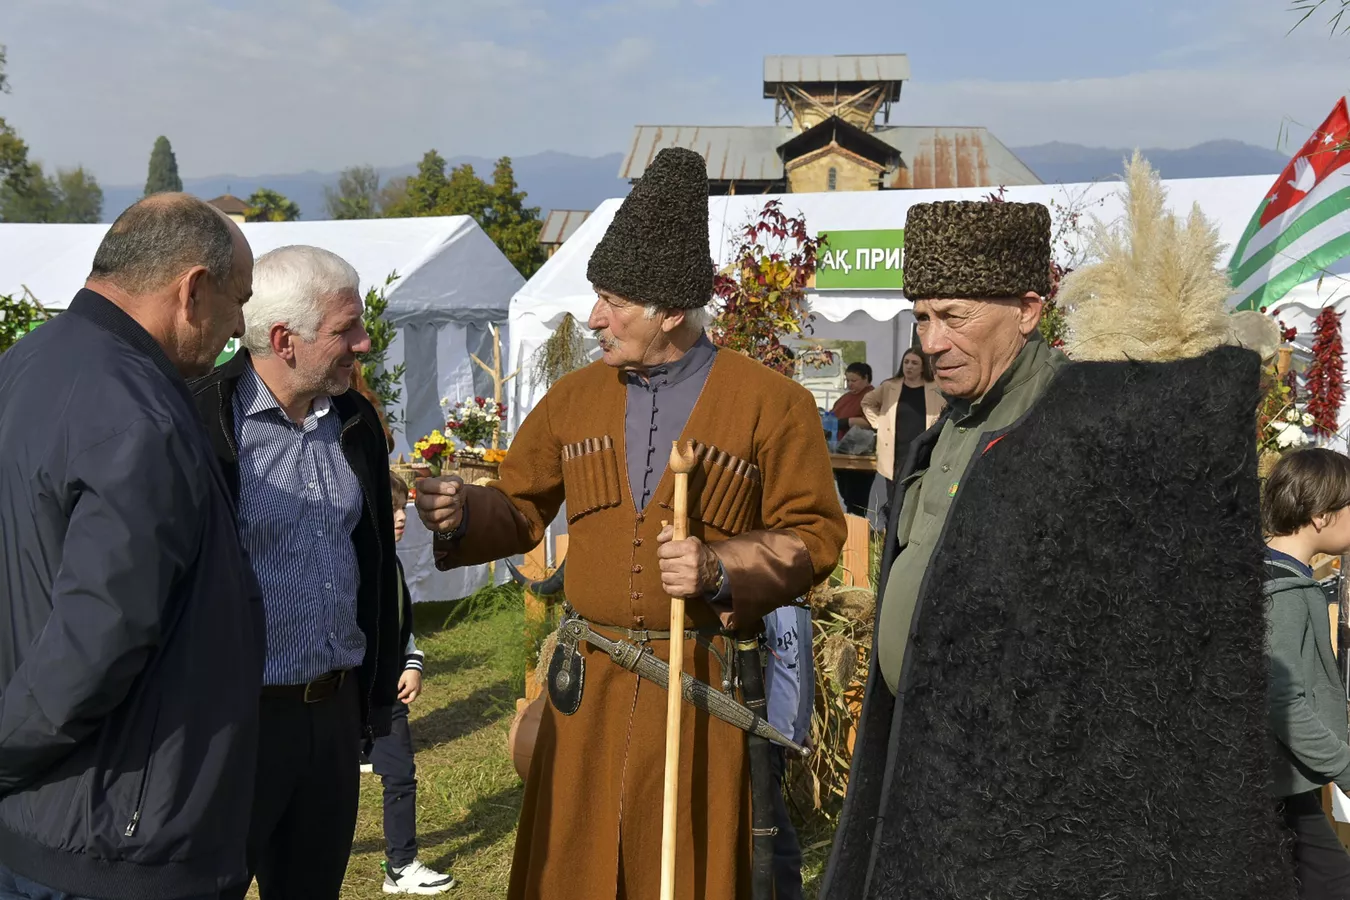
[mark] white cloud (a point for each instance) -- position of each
(272, 86)
(1236, 73)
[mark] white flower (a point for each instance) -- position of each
(1290, 436)
(1308, 420)
(1292, 415)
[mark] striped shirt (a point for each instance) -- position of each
(299, 503)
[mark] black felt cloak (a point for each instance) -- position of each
(1082, 712)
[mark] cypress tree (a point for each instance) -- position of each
(163, 169)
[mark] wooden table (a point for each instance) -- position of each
(853, 463)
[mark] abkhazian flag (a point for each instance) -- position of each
(1303, 225)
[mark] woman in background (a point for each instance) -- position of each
(855, 488)
(901, 409)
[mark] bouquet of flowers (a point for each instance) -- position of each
(1288, 431)
(434, 451)
(475, 422)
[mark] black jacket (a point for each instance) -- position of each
(365, 449)
(131, 635)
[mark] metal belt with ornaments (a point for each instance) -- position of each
(567, 676)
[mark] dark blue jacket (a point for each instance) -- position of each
(131, 636)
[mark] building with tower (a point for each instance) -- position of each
(832, 131)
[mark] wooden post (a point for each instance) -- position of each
(498, 382)
(857, 555)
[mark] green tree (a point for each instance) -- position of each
(79, 198)
(27, 195)
(163, 174)
(13, 151)
(510, 223)
(71, 195)
(266, 205)
(356, 196)
(498, 207)
(393, 194)
(383, 381)
(423, 193)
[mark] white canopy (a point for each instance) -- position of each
(561, 285)
(453, 284)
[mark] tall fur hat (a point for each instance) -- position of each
(976, 250)
(656, 249)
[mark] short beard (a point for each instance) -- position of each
(325, 384)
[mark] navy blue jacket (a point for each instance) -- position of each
(131, 639)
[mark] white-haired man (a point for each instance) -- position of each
(308, 465)
(765, 525)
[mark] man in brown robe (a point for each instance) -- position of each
(765, 526)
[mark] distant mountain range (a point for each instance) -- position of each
(563, 181)
(551, 180)
(1057, 163)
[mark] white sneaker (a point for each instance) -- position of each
(415, 878)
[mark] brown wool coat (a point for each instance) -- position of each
(591, 822)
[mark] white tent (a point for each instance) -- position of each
(453, 284)
(881, 318)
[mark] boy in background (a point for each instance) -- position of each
(391, 757)
(1306, 506)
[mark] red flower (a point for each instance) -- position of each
(435, 450)
(478, 400)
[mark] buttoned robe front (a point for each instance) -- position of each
(763, 498)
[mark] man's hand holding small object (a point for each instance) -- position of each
(440, 503)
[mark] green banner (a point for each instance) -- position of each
(228, 353)
(861, 260)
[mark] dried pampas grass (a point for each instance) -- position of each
(545, 657)
(839, 656)
(1158, 291)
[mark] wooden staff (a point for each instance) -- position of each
(682, 462)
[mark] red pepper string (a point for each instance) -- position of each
(1325, 384)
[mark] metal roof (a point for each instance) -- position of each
(945, 156)
(560, 224)
(930, 157)
(733, 152)
(834, 69)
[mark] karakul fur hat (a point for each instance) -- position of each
(656, 249)
(976, 250)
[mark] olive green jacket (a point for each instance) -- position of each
(1307, 699)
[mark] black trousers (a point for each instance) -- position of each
(856, 490)
(1320, 861)
(305, 796)
(16, 887)
(392, 759)
(787, 850)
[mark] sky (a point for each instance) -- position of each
(254, 87)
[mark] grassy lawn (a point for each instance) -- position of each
(468, 795)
